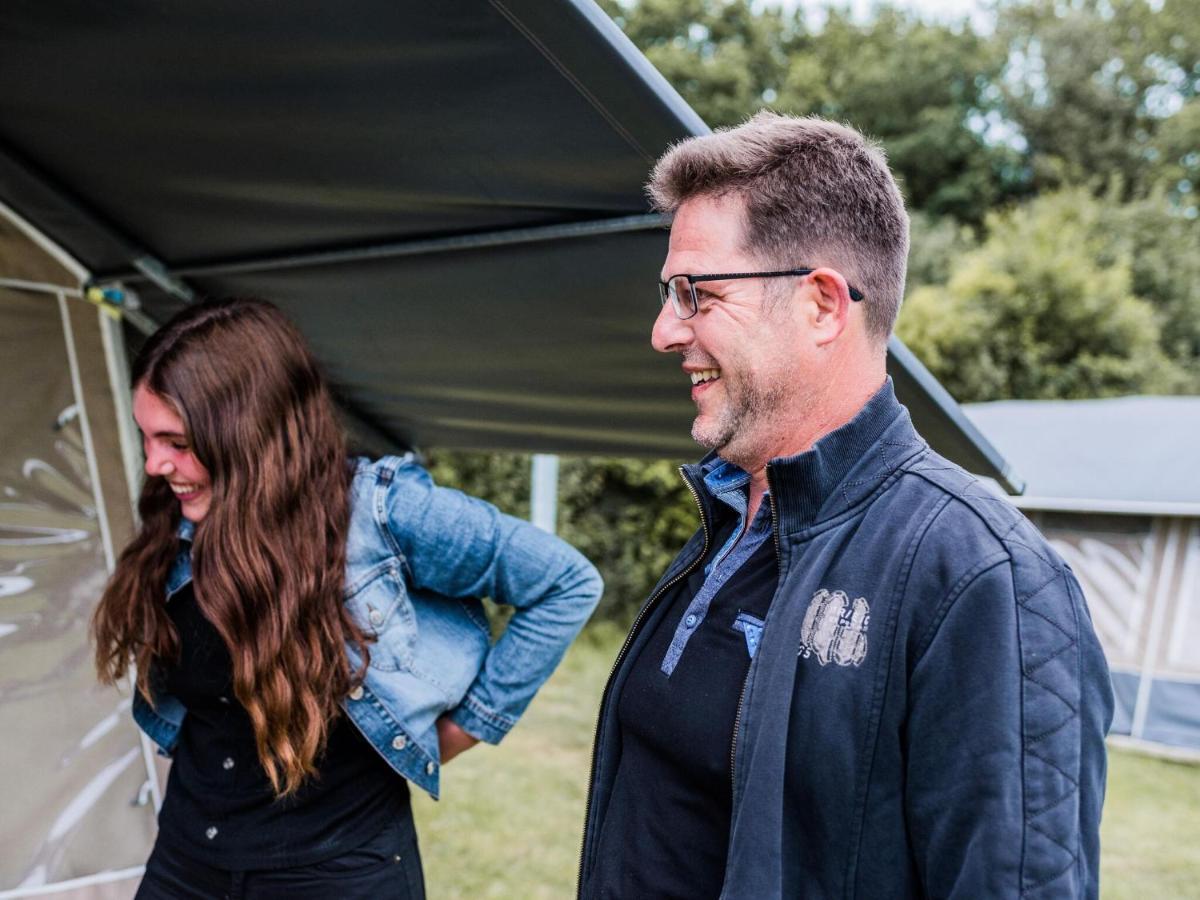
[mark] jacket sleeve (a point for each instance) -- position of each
(460, 546)
(1008, 706)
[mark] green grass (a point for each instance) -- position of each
(510, 818)
(1150, 833)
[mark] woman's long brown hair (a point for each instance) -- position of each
(269, 557)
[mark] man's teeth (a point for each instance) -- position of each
(705, 375)
(185, 488)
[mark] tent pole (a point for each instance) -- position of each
(457, 243)
(543, 492)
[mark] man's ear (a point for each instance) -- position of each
(830, 312)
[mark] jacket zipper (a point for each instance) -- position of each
(737, 719)
(637, 622)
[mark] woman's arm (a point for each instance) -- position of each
(461, 546)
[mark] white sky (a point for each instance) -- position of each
(940, 10)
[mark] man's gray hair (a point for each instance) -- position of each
(816, 193)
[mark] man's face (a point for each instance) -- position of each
(740, 352)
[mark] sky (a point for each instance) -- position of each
(940, 10)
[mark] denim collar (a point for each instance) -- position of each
(726, 482)
(180, 573)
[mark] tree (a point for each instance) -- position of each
(1044, 308)
(1105, 92)
(921, 89)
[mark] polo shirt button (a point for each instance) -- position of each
(690, 621)
(375, 616)
(399, 742)
(430, 768)
(227, 763)
(210, 832)
(356, 692)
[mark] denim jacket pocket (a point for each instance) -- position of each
(379, 602)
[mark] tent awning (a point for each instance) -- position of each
(446, 197)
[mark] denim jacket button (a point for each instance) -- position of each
(399, 742)
(430, 768)
(356, 692)
(375, 616)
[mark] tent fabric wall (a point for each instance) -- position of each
(74, 772)
(1141, 578)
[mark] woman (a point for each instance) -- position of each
(306, 630)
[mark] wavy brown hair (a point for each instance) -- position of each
(269, 556)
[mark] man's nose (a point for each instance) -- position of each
(670, 333)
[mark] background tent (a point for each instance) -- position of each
(1115, 487)
(446, 197)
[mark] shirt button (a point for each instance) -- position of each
(210, 832)
(430, 768)
(227, 763)
(399, 742)
(356, 693)
(223, 699)
(375, 616)
(690, 621)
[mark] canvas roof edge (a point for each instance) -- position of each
(987, 459)
(72, 213)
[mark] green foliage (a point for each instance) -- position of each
(1043, 308)
(1104, 91)
(920, 88)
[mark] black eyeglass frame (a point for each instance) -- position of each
(664, 287)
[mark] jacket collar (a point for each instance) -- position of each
(181, 569)
(841, 468)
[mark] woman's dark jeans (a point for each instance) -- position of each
(387, 867)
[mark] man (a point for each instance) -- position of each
(865, 675)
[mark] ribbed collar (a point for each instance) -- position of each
(838, 470)
(845, 465)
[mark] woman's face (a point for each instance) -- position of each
(168, 453)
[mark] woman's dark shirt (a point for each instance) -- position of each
(220, 807)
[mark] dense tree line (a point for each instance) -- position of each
(1052, 164)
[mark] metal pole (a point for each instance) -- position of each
(543, 492)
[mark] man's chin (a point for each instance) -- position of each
(708, 435)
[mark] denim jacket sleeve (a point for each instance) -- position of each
(460, 546)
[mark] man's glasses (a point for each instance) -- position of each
(681, 289)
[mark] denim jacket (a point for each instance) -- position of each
(418, 558)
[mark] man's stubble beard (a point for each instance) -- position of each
(743, 429)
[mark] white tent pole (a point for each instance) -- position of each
(118, 378)
(86, 429)
(1162, 596)
(543, 492)
(60, 256)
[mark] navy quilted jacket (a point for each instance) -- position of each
(925, 715)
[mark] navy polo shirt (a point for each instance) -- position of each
(666, 830)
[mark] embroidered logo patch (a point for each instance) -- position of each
(752, 628)
(835, 628)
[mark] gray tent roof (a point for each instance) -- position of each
(1115, 453)
(445, 197)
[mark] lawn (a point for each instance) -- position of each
(510, 820)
